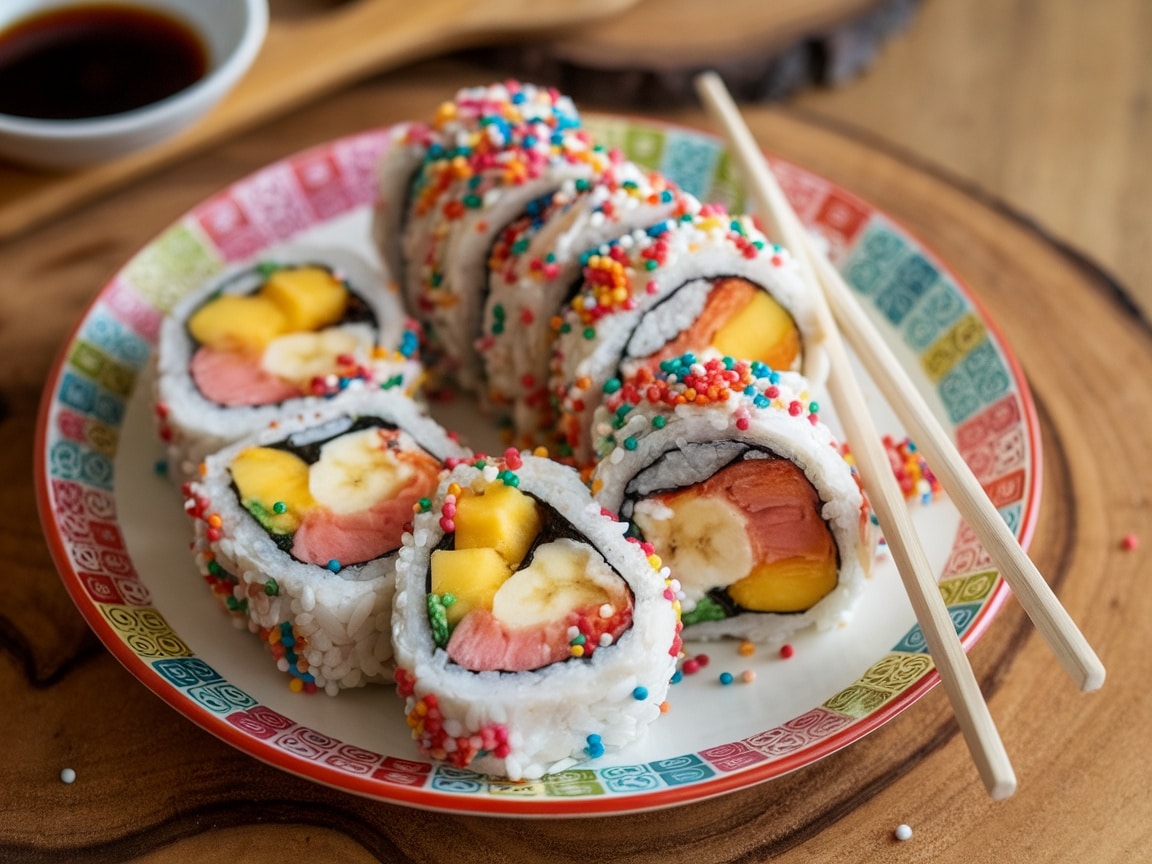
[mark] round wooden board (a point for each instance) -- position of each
(648, 54)
(178, 794)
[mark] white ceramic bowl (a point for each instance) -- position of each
(232, 32)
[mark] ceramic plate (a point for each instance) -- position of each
(119, 537)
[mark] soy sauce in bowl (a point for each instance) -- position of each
(95, 61)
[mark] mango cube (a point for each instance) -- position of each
(761, 330)
(311, 298)
(273, 485)
(471, 576)
(232, 322)
(787, 585)
(503, 518)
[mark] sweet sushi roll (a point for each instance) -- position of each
(298, 528)
(492, 150)
(710, 283)
(530, 633)
(278, 336)
(535, 267)
(725, 468)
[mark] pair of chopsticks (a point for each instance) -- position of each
(833, 296)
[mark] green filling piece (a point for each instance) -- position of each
(706, 609)
(438, 619)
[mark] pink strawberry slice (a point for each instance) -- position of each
(233, 379)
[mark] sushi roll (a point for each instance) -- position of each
(535, 267)
(727, 470)
(530, 633)
(710, 283)
(298, 527)
(276, 337)
(491, 151)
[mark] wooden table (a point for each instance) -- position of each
(152, 787)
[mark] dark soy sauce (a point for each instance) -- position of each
(93, 61)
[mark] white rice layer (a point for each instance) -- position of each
(397, 166)
(532, 287)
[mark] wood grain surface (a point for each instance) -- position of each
(1046, 106)
(152, 787)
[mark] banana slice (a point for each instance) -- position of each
(702, 539)
(300, 357)
(355, 472)
(564, 576)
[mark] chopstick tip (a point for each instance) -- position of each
(1093, 678)
(704, 81)
(1003, 788)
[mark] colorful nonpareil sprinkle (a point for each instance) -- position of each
(485, 140)
(619, 272)
(686, 380)
(738, 387)
(432, 737)
(909, 467)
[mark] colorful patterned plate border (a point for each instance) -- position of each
(933, 322)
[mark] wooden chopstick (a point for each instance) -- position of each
(1035, 595)
(887, 500)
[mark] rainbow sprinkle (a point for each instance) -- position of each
(909, 467)
(740, 386)
(485, 140)
(619, 272)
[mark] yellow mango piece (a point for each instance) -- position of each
(309, 297)
(503, 518)
(273, 486)
(233, 322)
(472, 576)
(788, 585)
(761, 330)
